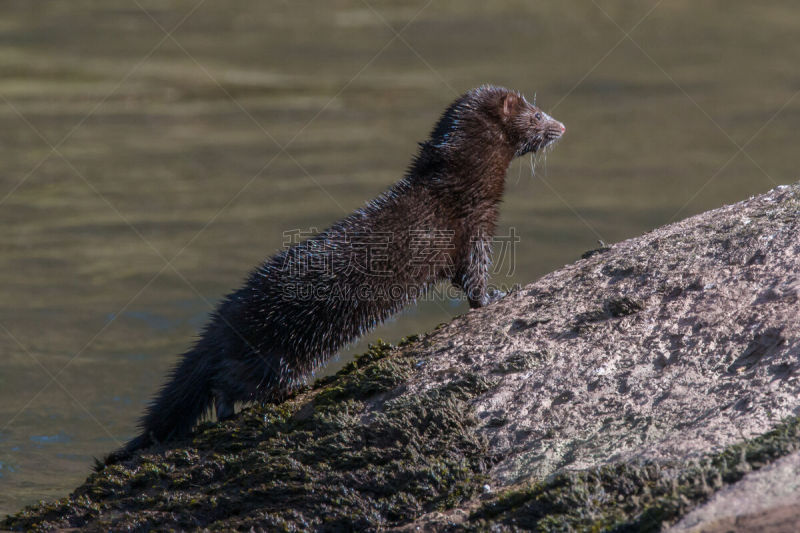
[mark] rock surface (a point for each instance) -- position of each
(678, 342)
(617, 393)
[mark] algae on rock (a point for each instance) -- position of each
(317, 461)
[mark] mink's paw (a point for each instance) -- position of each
(492, 295)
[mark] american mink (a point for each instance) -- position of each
(309, 300)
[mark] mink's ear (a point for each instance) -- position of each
(509, 104)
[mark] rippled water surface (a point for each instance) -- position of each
(142, 176)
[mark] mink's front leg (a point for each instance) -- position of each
(473, 274)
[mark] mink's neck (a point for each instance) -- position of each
(468, 175)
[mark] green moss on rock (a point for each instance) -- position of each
(315, 462)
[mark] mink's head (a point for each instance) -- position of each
(497, 117)
(527, 127)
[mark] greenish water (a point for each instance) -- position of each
(168, 182)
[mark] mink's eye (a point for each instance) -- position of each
(538, 116)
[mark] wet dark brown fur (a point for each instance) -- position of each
(301, 306)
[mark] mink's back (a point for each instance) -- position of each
(309, 300)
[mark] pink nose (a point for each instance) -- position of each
(563, 127)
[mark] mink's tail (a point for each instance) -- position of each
(179, 404)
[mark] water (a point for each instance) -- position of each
(168, 182)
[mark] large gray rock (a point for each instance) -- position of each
(619, 392)
(666, 348)
(669, 345)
